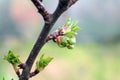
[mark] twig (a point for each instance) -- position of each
(15, 67)
(34, 73)
(54, 35)
(49, 22)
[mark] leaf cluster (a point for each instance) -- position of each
(12, 58)
(69, 31)
(43, 62)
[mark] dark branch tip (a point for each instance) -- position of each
(22, 66)
(34, 73)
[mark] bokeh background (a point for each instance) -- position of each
(97, 52)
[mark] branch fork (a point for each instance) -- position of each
(43, 38)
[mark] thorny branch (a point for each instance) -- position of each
(50, 20)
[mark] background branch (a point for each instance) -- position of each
(49, 22)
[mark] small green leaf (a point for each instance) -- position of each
(70, 34)
(64, 39)
(70, 46)
(61, 46)
(75, 29)
(64, 42)
(43, 62)
(71, 41)
(11, 58)
(74, 24)
(68, 23)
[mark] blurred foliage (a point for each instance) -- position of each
(85, 62)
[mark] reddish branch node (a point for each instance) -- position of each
(54, 35)
(22, 66)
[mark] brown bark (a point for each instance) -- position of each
(50, 20)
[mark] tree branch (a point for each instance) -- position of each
(72, 2)
(49, 22)
(41, 9)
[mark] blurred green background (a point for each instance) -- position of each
(97, 52)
